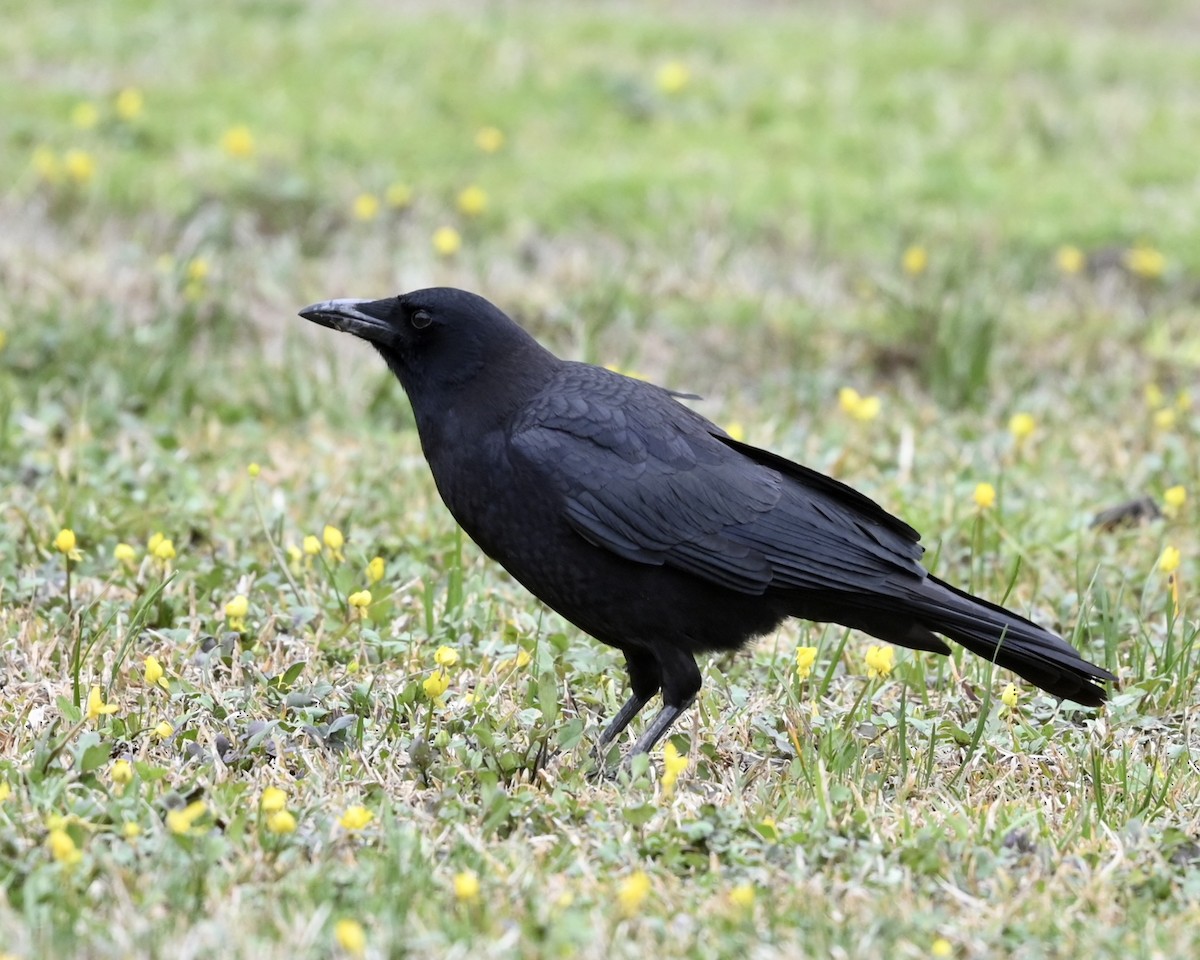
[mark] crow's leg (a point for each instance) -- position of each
(645, 679)
(681, 682)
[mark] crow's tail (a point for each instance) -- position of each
(996, 634)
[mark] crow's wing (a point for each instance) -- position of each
(654, 482)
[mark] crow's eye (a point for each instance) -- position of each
(421, 320)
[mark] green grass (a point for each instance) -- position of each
(741, 238)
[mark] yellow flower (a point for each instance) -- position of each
(129, 104)
(984, 496)
(436, 684)
(398, 195)
(1070, 259)
(5, 790)
(254, 470)
(164, 551)
(198, 269)
(674, 763)
(281, 822)
(85, 115)
(62, 847)
(355, 818)
(489, 139)
(366, 206)
(1145, 262)
(632, 892)
(806, 658)
(673, 77)
(273, 800)
(312, 546)
(472, 201)
(742, 896)
(1021, 426)
(334, 541)
(446, 241)
(350, 937)
(1169, 561)
(235, 612)
(79, 165)
(65, 543)
(1175, 497)
(1183, 399)
(1154, 395)
(1164, 419)
(1010, 696)
(736, 431)
(130, 830)
(859, 407)
(375, 570)
(46, 164)
(466, 886)
(359, 601)
(153, 673)
(181, 821)
(880, 661)
(96, 707)
(121, 772)
(941, 948)
(445, 656)
(124, 554)
(915, 260)
(238, 142)
(163, 729)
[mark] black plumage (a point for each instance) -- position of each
(651, 529)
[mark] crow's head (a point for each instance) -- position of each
(432, 339)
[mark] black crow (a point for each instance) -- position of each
(648, 526)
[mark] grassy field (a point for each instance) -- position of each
(213, 744)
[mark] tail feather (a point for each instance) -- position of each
(1011, 641)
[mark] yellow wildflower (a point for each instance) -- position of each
(236, 611)
(1070, 259)
(742, 896)
(164, 551)
(96, 707)
(1169, 561)
(281, 821)
(366, 206)
(436, 684)
(273, 800)
(1021, 426)
(85, 115)
(489, 139)
(46, 164)
(153, 672)
(80, 166)
(238, 142)
(124, 554)
(375, 570)
(632, 892)
(334, 541)
(472, 201)
(182, 820)
(163, 729)
(1164, 419)
(350, 936)
(1183, 401)
(62, 847)
(466, 886)
(915, 260)
(674, 763)
(312, 546)
(129, 104)
(1145, 262)
(446, 241)
(445, 656)
(398, 195)
(880, 661)
(359, 601)
(1010, 696)
(65, 543)
(355, 818)
(254, 470)
(1154, 395)
(130, 830)
(984, 496)
(941, 948)
(736, 431)
(121, 772)
(5, 790)
(198, 269)
(806, 658)
(1175, 497)
(673, 77)
(858, 406)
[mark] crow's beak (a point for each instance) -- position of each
(363, 318)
